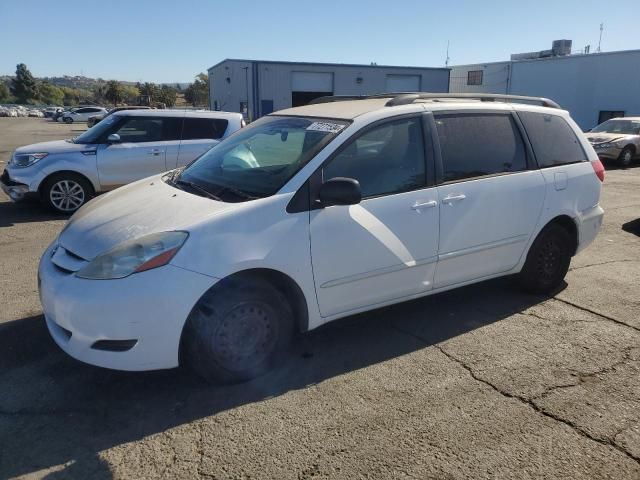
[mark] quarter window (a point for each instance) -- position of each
(203, 128)
(474, 145)
(554, 142)
(385, 160)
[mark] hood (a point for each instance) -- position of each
(140, 208)
(601, 137)
(57, 146)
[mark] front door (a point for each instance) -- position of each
(142, 151)
(384, 248)
(490, 201)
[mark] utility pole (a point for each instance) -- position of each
(446, 62)
(600, 40)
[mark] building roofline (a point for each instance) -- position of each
(559, 57)
(271, 62)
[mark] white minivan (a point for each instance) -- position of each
(126, 146)
(315, 213)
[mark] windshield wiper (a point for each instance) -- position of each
(197, 188)
(236, 192)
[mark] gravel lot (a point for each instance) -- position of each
(482, 382)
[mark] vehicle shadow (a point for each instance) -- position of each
(57, 412)
(632, 227)
(27, 211)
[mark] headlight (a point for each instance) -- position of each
(133, 256)
(22, 160)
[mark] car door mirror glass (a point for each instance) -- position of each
(113, 138)
(340, 191)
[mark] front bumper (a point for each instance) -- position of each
(149, 307)
(16, 191)
(609, 153)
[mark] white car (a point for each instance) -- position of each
(315, 213)
(126, 146)
(81, 114)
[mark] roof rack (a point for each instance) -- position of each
(406, 98)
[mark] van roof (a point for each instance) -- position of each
(348, 108)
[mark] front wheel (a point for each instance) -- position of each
(237, 331)
(547, 261)
(625, 157)
(68, 120)
(66, 192)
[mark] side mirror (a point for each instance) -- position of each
(340, 191)
(113, 138)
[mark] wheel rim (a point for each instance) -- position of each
(549, 260)
(67, 195)
(627, 156)
(246, 337)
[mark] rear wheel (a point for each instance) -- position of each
(66, 192)
(237, 331)
(68, 120)
(625, 157)
(547, 261)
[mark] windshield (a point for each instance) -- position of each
(623, 127)
(259, 159)
(95, 133)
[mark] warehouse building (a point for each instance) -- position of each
(257, 88)
(592, 86)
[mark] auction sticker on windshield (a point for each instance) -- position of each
(325, 127)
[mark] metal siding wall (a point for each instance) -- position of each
(275, 80)
(584, 84)
(495, 78)
(229, 95)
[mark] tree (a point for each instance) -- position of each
(130, 94)
(4, 92)
(50, 94)
(197, 93)
(149, 89)
(167, 95)
(24, 86)
(114, 92)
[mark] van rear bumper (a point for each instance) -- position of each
(589, 222)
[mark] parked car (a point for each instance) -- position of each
(34, 112)
(127, 146)
(82, 114)
(617, 139)
(314, 213)
(49, 112)
(94, 119)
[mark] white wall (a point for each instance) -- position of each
(495, 78)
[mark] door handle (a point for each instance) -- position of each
(421, 205)
(155, 151)
(454, 198)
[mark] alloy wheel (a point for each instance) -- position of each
(67, 195)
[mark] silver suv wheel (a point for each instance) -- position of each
(67, 195)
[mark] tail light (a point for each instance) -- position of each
(598, 168)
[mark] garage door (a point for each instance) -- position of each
(311, 82)
(403, 83)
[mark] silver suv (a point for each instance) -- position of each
(124, 147)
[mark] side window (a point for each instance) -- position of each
(140, 129)
(479, 144)
(385, 160)
(172, 128)
(554, 142)
(82, 110)
(203, 128)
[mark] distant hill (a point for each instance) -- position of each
(77, 81)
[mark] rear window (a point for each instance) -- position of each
(203, 128)
(474, 145)
(554, 142)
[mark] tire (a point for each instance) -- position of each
(66, 192)
(237, 331)
(68, 120)
(625, 157)
(547, 261)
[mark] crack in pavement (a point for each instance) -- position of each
(602, 263)
(585, 309)
(606, 442)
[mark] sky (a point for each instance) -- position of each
(173, 40)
